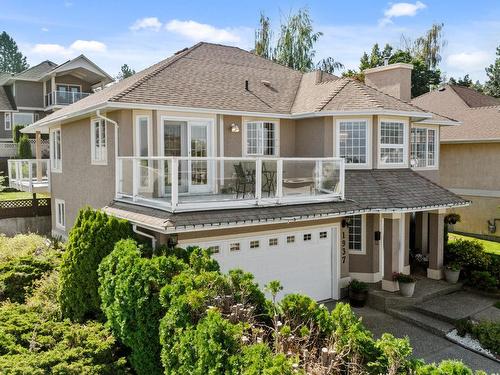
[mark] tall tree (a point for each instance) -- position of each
(427, 47)
(492, 85)
(125, 72)
(11, 59)
(329, 65)
(263, 36)
(465, 81)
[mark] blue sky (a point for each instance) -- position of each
(141, 33)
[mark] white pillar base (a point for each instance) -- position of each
(390, 286)
(406, 270)
(435, 274)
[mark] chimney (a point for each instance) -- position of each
(392, 79)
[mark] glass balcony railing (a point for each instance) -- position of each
(189, 183)
(63, 97)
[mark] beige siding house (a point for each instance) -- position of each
(304, 178)
(470, 155)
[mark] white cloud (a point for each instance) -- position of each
(468, 60)
(52, 50)
(148, 23)
(87, 46)
(44, 29)
(401, 10)
(199, 31)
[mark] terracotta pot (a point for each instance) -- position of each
(451, 276)
(358, 299)
(406, 289)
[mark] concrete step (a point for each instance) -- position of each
(430, 324)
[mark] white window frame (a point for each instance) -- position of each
(405, 145)
(8, 116)
(137, 147)
(368, 124)
(99, 153)
(21, 113)
(363, 238)
(261, 124)
(60, 221)
(55, 162)
(436, 147)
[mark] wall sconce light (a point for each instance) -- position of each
(346, 222)
(377, 235)
(235, 128)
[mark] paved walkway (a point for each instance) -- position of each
(425, 345)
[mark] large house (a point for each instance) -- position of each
(470, 155)
(301, 177)
(30, 95)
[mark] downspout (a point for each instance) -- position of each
(98, 114)
(153, 238)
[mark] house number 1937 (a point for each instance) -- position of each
(343, 247)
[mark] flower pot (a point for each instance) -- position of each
(451, 276)
(406, 289)
(358, 299)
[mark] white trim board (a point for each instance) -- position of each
(476, 192)
(366, 277)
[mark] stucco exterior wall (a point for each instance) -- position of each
(28, 94)
(369, 261)
(474, 219)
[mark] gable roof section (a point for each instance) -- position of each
(479, 124)
(366, 191)
(212, 77)
(473, 98)
(36, 72)
(5, 103)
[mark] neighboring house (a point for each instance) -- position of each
(300, 177)
(30, 95)
(470, 155)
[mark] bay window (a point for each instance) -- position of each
(353, 142)
(393, 144)
(55, 150)
(423, 147)
(99, 140)
(261, 138)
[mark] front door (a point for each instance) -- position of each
(188, 139)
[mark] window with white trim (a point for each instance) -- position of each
(7, 121)
(353, 141)
(98, 138)
(60, 208)
(22, 118)
(356, 234)
(55, 150)
(254, 244)
(423, 147)
(273, 242)
(261, 138)
(143, 148)
(392, 142)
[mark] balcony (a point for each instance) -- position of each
(63, 97)
(192, 184)
(31, 175)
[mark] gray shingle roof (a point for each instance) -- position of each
(366, 190)
(5, 103)
(36, 72)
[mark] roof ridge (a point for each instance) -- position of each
(161, 66)
(459, 97)
(363, 87)
(333, 94)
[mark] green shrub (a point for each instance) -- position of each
(357, 286)
(24, 148)
(129, 290)
(16, 133)
(17, 277)
(258, 359)
(43, 299)
(299, 310)
(23, 245)
(483, 280)
(394, 356)
(494, 267)
(91, 239)
(488, 334)
(447, 367)
(470, 254)
(463, 326)
(31, 345)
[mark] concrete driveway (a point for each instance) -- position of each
(425, 345)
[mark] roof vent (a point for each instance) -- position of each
(246, 85)
(266, 83)
(180, 51)
(441, 88)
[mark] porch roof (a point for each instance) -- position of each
(367, 191)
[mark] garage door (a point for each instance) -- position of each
(304, 261)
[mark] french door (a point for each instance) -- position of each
(188, 138)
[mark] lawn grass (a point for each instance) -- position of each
(491, 247)
(14, 195)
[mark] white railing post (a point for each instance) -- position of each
(174, 181)
(135, 175)
(9, 172)
(279, 179)
(258, 180)
(30, 176)
(19, 176)
(118, 179)
(47, 168)
(342, 179)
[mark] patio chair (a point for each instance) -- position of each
(245, 180)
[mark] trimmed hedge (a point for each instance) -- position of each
(92, 238)
(129, 289)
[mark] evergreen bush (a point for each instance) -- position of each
(24, 148)
(91, 239)
(16, 133)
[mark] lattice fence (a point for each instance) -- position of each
(25, 208)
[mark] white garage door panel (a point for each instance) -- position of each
(306, 267)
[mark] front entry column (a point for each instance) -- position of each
(436, 250)
(421, 232)
(391, 253)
